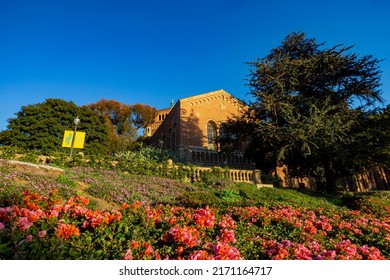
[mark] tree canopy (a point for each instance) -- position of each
(41, 127)
(142, 115)
(123, 121)
(310, 103)
(110, 126)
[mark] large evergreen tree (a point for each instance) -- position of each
(309, 106)
(41, 127)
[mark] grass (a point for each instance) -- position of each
(111, 188)
(288, 219)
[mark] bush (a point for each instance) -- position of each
(376, 203)
(43, 227)
(9, 152)
(217, 176)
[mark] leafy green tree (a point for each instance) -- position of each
(309, 106)
(41, 127)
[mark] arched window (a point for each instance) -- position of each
(212, 135)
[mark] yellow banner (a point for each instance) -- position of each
(78, 141)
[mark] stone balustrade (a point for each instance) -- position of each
(235, 175)
(205, 157)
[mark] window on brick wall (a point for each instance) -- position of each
(212, 135)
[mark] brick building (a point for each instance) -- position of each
(191, 127)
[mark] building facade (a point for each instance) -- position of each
(192, 125)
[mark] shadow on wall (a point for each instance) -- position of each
(191, 134)
(377, 178)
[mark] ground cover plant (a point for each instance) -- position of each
(86, 213)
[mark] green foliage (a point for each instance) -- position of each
(144, 231)
(217, 176)
(151, 161)
(229, 196)
(375, 203)
(260, 223)
(66, 181)
(31, 156)
(147, 153)
(41, 127)
(374, 144)
(11, 194)
(303, 116)
(9, 152)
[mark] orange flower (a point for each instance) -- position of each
(83, 199)
(136, 205)
(204, 217)
(148, 249)
(66, 231)
(124, 206)
(134, 244)
(180, 250)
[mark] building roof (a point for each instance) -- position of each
(202, 96)
(205, 95)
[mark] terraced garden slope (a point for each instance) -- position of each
(87, 213)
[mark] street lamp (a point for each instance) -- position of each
(76, 122)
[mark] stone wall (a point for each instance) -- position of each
(31, 167)
(373, 179)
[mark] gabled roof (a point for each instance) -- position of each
(206, 95)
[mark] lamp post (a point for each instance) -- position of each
(76, 122)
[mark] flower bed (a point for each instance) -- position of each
(44, 227)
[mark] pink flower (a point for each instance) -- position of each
(2, 226)
(204, 218)
(200, 255)
(42, 233)
(370, 253)
(227, 222)
(29, 238)
(24, 223)
(53, 213)
(128, 255)
(187, 236)
(228, 236)
(224, 251)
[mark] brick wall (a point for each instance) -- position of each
(186, 123)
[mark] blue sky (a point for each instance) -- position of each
(151, 52)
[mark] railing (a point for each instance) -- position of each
(205, 157)
(235, 175)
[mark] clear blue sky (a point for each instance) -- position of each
(151, 52)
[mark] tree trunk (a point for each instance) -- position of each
(330, 177)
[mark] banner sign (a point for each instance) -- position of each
(78, 141)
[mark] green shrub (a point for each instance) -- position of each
(376, 203)
(10, 194)
(65, 180)
(230, 196)
(9, 152)
(217, 176)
